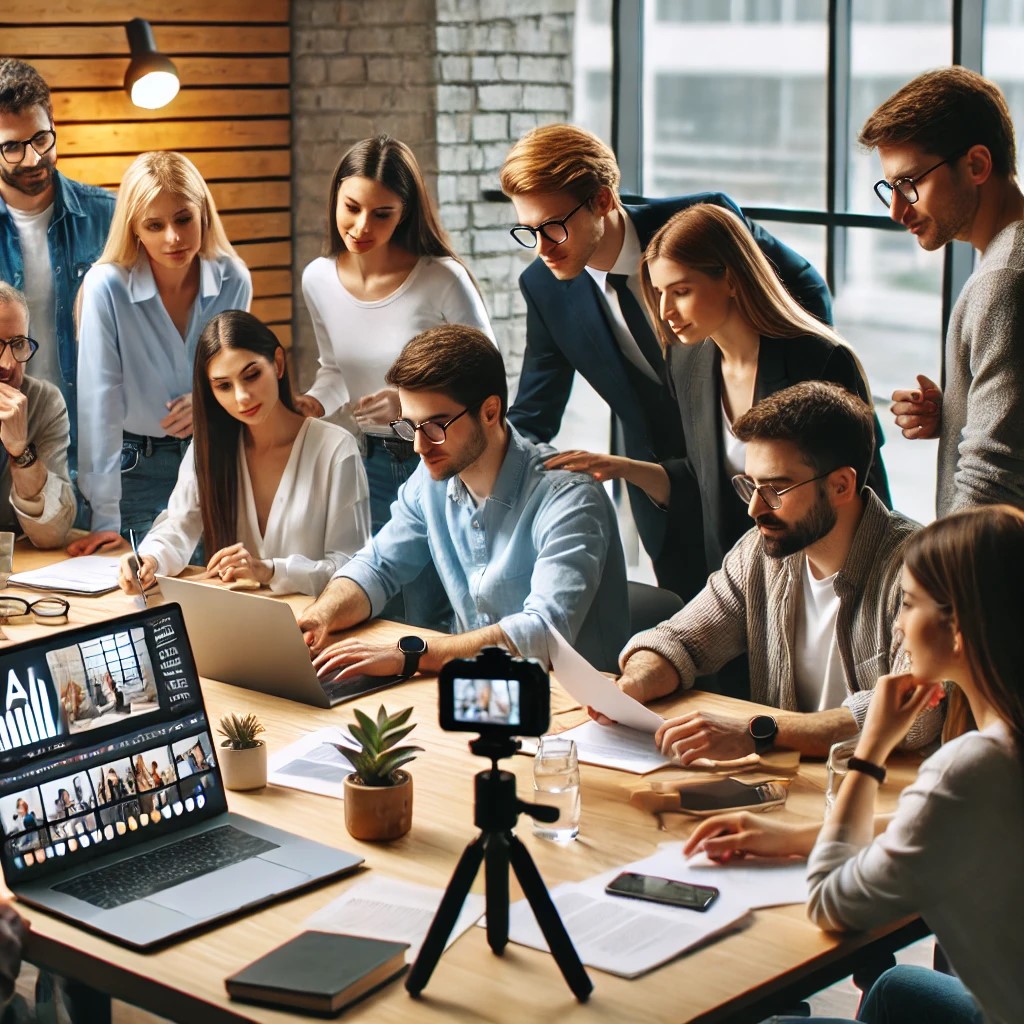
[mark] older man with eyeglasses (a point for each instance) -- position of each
(52, 229)
(947, 148)
(811, 594)
(35, 490)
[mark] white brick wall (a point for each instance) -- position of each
(459, 81)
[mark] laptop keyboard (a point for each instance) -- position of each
(135, 878)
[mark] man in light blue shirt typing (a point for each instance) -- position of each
(516, 547)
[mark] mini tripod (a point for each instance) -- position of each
(495, 814)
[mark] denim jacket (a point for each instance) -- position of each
(77, 234)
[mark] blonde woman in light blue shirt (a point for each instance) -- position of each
(166, 270)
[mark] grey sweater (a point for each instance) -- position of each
(981, 440)
(750, 605)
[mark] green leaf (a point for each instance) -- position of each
(399, 756)
(399, 734)
(369, 728)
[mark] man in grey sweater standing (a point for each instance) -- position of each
(946, 144)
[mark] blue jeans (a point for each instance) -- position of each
(424, 601)
(148, 475)
(909, 995)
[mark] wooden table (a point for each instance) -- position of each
(740, 977)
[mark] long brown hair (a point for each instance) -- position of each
(715, 241)
(972, 565)
(216, 431)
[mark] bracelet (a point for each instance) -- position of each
(876, 771)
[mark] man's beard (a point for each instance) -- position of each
(815, 525)
(16, 179)
(475, 447)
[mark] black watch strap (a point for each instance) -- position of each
(413, 647)
(763, 729)
(876, 771)
(27, 458)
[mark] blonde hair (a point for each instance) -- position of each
(148, 175)
(715, 241)
(559, 157)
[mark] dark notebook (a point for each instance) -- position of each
(319, 971)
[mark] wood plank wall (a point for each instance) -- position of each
(231, 117)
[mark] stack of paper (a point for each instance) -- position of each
(90, 575)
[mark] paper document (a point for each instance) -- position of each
(311, 764)
(89, 575)
(592, 689)
(622, 936)
(384, 908)
(614, 746)
(755, 881)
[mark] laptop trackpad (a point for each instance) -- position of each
(221, 892)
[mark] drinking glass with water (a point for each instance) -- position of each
(556, 782)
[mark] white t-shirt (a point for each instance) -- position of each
(42, 326)
(818, 676)
(734, 449)
(358, 341)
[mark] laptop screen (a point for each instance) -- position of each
(104, 742)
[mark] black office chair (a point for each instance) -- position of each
(650, 605)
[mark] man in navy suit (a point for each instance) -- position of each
(584, 312)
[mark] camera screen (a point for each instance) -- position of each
(487, 701)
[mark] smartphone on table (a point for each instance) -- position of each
(662, 890)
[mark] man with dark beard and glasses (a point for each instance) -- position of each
(52, 229)
(811, 594)
(516, 547)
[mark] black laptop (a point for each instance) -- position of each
(111, 801)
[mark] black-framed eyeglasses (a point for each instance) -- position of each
(434, 432)
(746, 488)
(554, 231)
(50, 610)
(42, 142)
(22, 348)
(908, 186)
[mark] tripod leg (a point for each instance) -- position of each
(496, 881)
(550, 923)
(447, 913)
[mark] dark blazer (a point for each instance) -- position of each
(700, 479)
(567, 330)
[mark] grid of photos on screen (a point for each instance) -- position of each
(108, 799)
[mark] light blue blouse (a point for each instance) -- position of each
(132, 361)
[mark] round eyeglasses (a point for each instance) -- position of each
(746, 488)
(22, 348)
(48, 610)
(434, 432)
(907, 187)
(554, 231)
(42, 142)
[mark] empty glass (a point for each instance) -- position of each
(838, 765)
(556, 783)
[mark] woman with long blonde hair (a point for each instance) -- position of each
(167, 268)
(732, 335)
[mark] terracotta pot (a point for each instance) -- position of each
(378, 812)
(244, 769)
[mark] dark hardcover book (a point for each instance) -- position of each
(319, 971)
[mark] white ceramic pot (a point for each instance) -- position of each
(244, 769)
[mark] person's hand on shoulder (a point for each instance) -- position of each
(742, 834)
(13, 932)
(308, 406)
(918, 411)
(98, 540)
(704, 734)
(600, 467)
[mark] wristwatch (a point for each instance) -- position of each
(413, 647)
(27, 458)
(763, 729)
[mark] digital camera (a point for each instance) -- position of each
(495, 695)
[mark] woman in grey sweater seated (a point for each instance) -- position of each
(951, 852)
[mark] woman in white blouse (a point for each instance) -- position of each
(278, 498)
(952, 851)
(388, 272)
(166, 269)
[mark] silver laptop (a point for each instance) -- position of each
(253, 641)
(111, 801)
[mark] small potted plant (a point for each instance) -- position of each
(378, 794)
(243, 759)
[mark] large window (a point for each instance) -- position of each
(763, 100)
